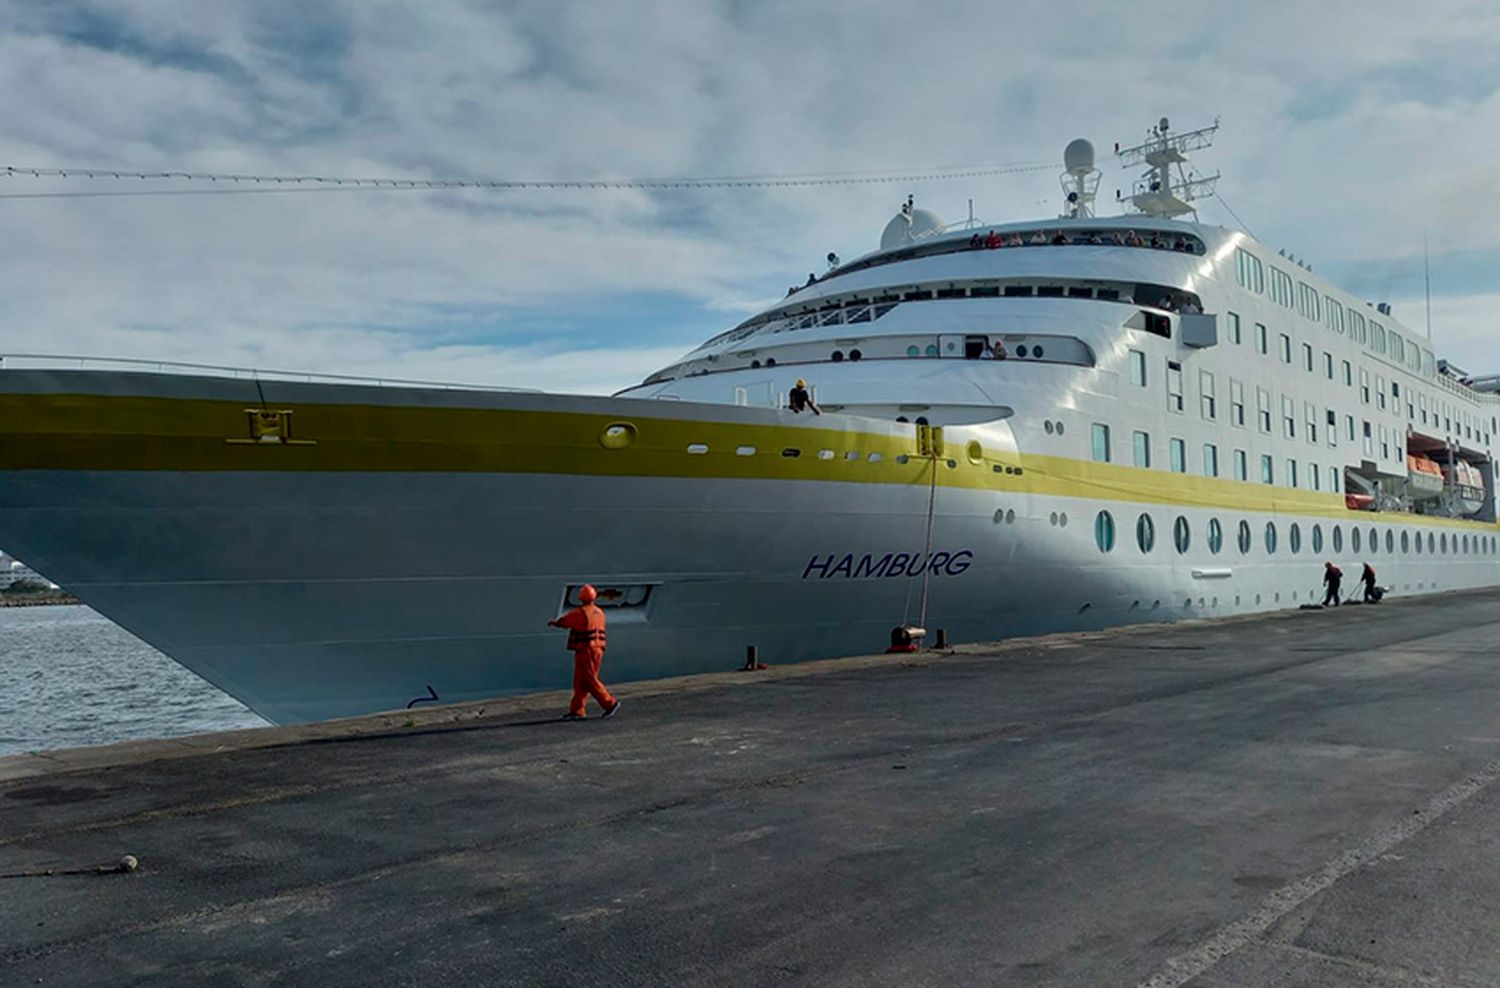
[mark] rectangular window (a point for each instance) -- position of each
(1101, 443)
(1291, 473)
(1138, 368)
(1349, 427)
(1333, 314)
(1210, 460)
(1310, 416)
(1333, 427)
(1385, 443)
(1236, 403)
(1174, 386)
(1348, 375)
(1248, 271)
(1312, 476)
(1307, 357)
(1178, 449)
(1241, 466)
(1328, 365)
(1335, 479)
(1288, 417)
(1206, 394)
(1364, 385)
(1233, 326)
(1263, 410)
(1267, 470)
(1140, 445)
(1380, 392)
(1261, 336)
(1284, 346)
(1369, 440)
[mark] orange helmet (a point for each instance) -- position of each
(587, 593)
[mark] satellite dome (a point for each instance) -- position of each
(1078, 156)
(903, 229)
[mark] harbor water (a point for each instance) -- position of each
(69, 677)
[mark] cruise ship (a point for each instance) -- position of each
(1071, 423)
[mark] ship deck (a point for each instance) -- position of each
(1296, 798)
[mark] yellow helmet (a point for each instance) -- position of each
(801, 383)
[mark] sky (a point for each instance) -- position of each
(1349, 132)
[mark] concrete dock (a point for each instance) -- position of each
(1305, 798)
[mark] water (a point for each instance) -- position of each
(69, 677)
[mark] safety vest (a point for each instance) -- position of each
(591, 635)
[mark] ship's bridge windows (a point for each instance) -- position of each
(1249, 271)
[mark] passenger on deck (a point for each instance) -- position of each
(1157, 243)
(976, 242)
(987, 352)
(1332, 577)
(799, 398)
(1190, 307)
(1132, 239)
(1059, 238)
(1016, 241)
(1038, 238)
(812, 279)
(1116, 239)
(1182, 246)
(998, 351)
(992, 240)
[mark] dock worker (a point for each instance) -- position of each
(799, 398)
(1332, 577)
(585, 626)
(1367, 577)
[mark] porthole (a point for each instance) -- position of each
(1104, 531)
(770, 361)
(1036, 352)
(1338, 539)
(1405, 542)
(952, 464)
(855, 355)
(698, 449)
(1431, 542)
(1062, 520)
(902, 458)
(745, 451)
(1353, 538)
(755, 363)
(791, 452)
(1060, 429)
(913, 351)
(1052, 518)
(999, 516)
(1270, 538)
(1021, 350)
(1215, 537)
(975, 452)
(1417, 543)
(1443, 542)
(1242, 536)
(838, 356)
(1010, 516)
(874, 457)
(851, 454)
(1466, 544)
(825, 454)
(1294, 538)
(1047, 427)
(1182, 534)
(932, 350)
(1374, 539)
(617, 435)
(1145, 533)
(1317, 538)
(1390, 540)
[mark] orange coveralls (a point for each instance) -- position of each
(586, 639)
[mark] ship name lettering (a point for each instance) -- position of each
(898, 564)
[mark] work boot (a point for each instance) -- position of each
(611, 711)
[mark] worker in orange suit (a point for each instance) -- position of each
(585, 626)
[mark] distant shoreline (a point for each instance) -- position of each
(38, 598)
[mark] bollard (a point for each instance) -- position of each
(942, 639)
(752, 662)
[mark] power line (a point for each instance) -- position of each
(229, 184)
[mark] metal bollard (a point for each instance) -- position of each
(942, 639)
(752, 661)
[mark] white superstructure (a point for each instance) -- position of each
(1185, 424)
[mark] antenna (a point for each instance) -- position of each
(1160, 192)
(1080, 181)
(1427, 284)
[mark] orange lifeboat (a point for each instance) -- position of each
(1424, 478)
(1359, 502)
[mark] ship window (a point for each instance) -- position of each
(1145, 533)
(1354, 538)
(1108, 294)
(825, 454)
(745, 451)
(1018, 291)
(1270, 538)
(837, 356)
(1241, 465)
(1049, 291)
(1210, 460)
(1317, 538)
(1137, 368)
(875, 457)
(931, 350)
(1443, 542)
(1338, 539)
(902, 458)
(1174, 386)
(1177, 453)
(1101, 442)
(1104, 531)
(1182, 535)
(855, 354)
(1215, 536)
(852, 454)
(1406, 542)
(698, 448)
(1430, 543)
(1374, 540)
(984, 291)
(1294, 538)
(1243, 537)
(1267, 469)
(1140, 444)
(1234, 327)
(1080, 293)
(1261, 345)
(1284, 347)
(913, 351)
(1390, 540)
(1417, 543)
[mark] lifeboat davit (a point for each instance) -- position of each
(1424, 478)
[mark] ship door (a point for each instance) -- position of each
(951, 345)
(758, 394)
(974, 347)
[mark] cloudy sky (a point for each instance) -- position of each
(1350, 130)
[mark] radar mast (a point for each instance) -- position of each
(1168, 188)
(1080, 181)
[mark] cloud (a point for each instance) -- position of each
(1349, 128)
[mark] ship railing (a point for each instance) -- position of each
(60, 361)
